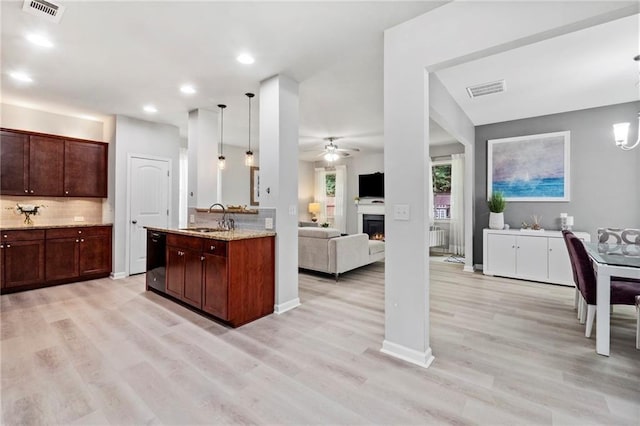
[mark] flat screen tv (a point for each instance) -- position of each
(371, 185)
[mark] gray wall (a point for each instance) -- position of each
(605, 180)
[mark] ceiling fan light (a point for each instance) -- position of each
(331, 156)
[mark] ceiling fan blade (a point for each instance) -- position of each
(348, 149)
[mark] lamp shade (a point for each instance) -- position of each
(314, 208)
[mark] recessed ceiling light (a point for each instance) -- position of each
(188, 89)
(39, 40)
(150, 109)
(20, 76)
(246, 59)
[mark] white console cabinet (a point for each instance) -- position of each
(528, 255)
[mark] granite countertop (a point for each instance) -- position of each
(236, 234)
(70, 225)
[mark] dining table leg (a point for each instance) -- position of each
(603, 302)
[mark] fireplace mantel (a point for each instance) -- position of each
(368, 208)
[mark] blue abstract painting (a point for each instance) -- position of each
(529, 168)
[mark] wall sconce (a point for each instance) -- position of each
(621, 134)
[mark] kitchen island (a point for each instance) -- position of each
(227, 274)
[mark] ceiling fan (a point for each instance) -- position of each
(332, 152)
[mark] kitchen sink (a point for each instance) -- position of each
(205, 229)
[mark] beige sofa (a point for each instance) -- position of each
(324, 250)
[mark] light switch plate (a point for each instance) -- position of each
(192, 218)
(401, 212)
(293, 210)
(268, 223)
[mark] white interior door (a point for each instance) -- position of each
(149, 206)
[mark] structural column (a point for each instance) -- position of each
(406, 164)
(279, 179)
(203, 138)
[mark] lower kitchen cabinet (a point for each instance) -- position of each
(78, 252)
(184, 274)
(231, 280)
(41, 257)
(22, 259)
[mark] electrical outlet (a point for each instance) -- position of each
(192, 218)
(401, 212)
(293, 210)
(78, 218)
(268, 223)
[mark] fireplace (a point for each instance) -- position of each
(373, 224)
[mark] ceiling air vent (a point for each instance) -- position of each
(486, 88)
(45, 9)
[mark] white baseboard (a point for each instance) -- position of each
(468, 268)
(118, 275)
(281, 308)
(422, 359)
(479, 267)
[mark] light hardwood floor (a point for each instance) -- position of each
(507, 352)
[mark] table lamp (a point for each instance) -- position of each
(314, 209)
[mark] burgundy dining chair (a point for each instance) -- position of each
(622, 292)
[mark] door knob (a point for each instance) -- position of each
(134, 221)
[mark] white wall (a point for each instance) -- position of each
(144, 138)
(21, 118)
(306, 185)
(235, 178)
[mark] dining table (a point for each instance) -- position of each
(610, 260)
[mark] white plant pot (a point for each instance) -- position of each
(496, 220)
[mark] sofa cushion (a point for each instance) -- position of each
(318, 232)
(376, 246)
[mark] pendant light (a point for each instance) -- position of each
(248, 157)
(221, 160)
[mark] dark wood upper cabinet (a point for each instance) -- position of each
(85, 169)
(47, 165)
(14, 163)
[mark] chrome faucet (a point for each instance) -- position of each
(224, 223)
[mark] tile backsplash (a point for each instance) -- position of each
(56, 210)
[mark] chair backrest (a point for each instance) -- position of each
(584, 270)
(610, 235)
(631, 236)
(565, 236)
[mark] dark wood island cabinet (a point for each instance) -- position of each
(232, 279)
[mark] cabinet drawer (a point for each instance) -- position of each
(215, 247)
(81, 231)
(184, 241)
(26, 235)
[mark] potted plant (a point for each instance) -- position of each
(496, 207)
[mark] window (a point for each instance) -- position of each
(330, 188)
(441, 174)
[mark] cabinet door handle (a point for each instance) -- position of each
(31, 191)
(82, 240)
(213, 248)
(1, 245)
(26, 191)
(66, 192)
(201, 257)
(8, 245)
(5, 235)
(77, 241)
